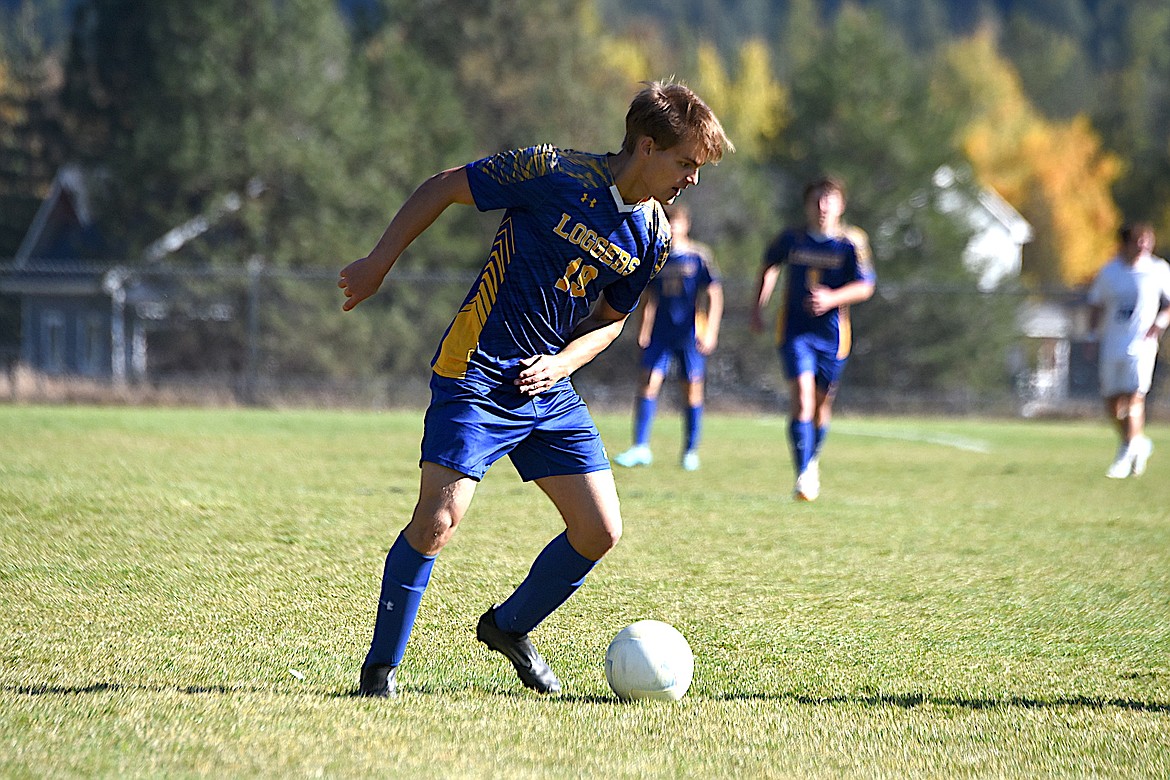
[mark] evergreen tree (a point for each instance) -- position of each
(228, 98)
(867, 117)
(31, 141)
(526, 71)
(328, 121)
(1053, 66)
(1070, 18)
(801, 36)
(252, 104)
(870, 119)
(921, 23)
(1135, 108)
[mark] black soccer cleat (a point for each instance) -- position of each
(518, 649)
(378, 680)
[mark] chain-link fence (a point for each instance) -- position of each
(264, 336)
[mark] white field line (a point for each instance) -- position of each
(941, 439)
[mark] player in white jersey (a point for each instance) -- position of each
(1129, 311)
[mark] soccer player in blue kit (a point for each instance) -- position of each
(581, 237)
(829, 269)
(675, 329)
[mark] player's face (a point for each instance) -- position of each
(1145, 241)
(824, 209)
(670, 171)
(1142, 242)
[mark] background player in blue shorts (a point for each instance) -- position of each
(675, 328)
(581, 237)
(829, 268)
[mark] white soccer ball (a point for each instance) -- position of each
(649, 660)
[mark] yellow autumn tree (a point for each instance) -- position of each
(753, 105)
(1075, 177)
(639, 54)
(1055, 173)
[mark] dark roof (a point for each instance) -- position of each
(63, 228)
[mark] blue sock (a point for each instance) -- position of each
(822, 432)
(555, 575)
(643, 419)
(802, 434)
(404, 579)
(694, 421)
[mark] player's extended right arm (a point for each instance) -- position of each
(649, 312)
(765, 283)
(362, 278)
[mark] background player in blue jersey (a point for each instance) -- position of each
(581, 237)
(675, 328)
(828, 269)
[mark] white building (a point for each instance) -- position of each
(999, 232)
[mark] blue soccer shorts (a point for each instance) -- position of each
(470, 425)
(804, 355)
(657, 358)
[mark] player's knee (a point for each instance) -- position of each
(612, 535)
(595, 542)
(429, 532)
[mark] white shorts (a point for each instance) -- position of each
(1127, 374)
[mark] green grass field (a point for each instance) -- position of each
(189, 593)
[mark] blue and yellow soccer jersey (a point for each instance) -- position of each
(566, 238)
(686, 274)
(811, 260)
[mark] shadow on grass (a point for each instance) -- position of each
(906, 701)
(912, 700)
(194, 690)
